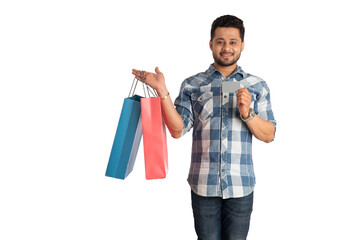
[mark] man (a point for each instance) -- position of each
(221, 174)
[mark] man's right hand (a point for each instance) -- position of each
(154, 80)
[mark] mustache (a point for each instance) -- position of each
(231, 53)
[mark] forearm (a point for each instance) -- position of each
(172, 119)
(261, 129)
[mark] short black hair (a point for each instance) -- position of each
(228, 21)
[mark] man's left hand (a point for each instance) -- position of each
(244, 102)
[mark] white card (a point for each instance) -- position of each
(231, 87)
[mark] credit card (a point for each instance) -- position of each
(231, 87)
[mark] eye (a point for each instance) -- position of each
(233, 43)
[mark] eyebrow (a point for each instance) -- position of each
(229, 39)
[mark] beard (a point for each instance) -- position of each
(226, 63)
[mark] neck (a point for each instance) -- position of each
(225, 70)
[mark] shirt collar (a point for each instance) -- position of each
(238, 69)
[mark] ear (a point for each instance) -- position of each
(243, 43)
(210, 44)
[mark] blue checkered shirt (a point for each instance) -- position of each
(221, 161)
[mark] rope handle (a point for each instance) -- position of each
(144, 85)
(149, 89)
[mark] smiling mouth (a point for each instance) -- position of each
(226, 54)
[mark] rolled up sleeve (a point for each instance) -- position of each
(184, 108)
(263, 106)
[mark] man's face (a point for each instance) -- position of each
(226, 46)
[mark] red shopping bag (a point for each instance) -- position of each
(154, 138)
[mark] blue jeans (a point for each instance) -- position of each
(216, 218)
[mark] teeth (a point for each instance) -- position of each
(226, 54)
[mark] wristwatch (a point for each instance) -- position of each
(251, 116)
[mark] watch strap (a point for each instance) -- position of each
(251, 116)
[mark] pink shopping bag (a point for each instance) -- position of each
(154, 138)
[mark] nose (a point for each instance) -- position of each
(225, 47)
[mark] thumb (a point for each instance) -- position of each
(157, 70)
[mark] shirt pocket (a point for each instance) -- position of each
(202, 103)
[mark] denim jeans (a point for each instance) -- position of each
(221, 219)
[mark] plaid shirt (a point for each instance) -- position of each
(222, 143)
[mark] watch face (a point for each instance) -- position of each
(252, 113)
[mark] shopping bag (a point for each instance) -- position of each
(127, 138)
(154, 138)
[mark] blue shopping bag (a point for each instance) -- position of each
(127, 139)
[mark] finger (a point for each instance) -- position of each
(157, 70)
(239, 92)
(243, 91)
(244, 103)
(244, 94)
(140, 75)
(244, 99)
(137, 73)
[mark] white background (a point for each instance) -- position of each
(65, 68)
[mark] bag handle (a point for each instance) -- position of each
(143, 80)
(133, 92)
(144, 84)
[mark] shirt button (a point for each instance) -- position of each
(225, 96)
(222, 170)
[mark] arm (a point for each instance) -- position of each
(172, 119)
(261, 129)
